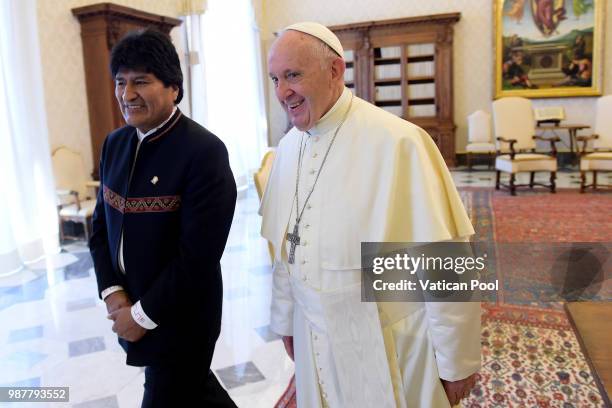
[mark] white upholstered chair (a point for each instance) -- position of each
(514, 127)
(261, 177)
(600, 158)
(479, 136)
(74, 203)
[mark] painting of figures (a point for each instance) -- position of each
(548, 48)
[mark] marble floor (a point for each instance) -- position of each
(54, 331)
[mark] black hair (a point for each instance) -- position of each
(151, 51)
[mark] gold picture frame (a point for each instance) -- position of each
(548, 48)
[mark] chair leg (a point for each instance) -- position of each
(497, 175)
(86, 229)
(512, 186)
(531, 179)
(469, 161)
(582, 181)
(594, 179)
(553, 185)
(61, 231)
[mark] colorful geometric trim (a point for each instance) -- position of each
(141, 204)
(153, 204)
(113, 199)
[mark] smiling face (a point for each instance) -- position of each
(305, 86)
(144, 100)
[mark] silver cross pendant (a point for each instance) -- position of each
(294, 239)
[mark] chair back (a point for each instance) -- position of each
(513, 119)
(262, 175)
(479, 127)
(69, 171)
(261, 180)
(603, 123)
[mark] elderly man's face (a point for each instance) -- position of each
(304, 89)
(144, 100)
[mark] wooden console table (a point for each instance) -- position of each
(592, 322)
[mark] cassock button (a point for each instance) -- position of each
(307, 226)
(305, 243)
(315, 155)
(312, 171)
(308, 206)
(304, 261)
(304, 278)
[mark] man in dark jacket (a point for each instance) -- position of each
(164, 210)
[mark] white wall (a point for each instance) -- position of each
(473, 53)
(64, 78)
(63, 72)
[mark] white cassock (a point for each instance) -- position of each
(383, 181)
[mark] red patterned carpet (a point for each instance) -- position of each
(530, 269)
(566, 216)
(531, 358)
(530, 355)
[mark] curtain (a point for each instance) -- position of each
(226, 82)
(28, 217)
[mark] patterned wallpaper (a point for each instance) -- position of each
(63, 72)
(473, 54)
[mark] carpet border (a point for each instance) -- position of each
(598, 381)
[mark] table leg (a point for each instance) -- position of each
(572, 135)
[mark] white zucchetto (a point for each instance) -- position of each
(321, 32)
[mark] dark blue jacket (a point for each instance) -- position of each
(175, 210)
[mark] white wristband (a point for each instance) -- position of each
(110, 290)
(140, 317)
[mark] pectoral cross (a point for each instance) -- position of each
(294, 238)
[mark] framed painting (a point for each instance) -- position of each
(548, 48)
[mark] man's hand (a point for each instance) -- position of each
(456, 390)
(125, 326)
(116, 301)
(288, 342)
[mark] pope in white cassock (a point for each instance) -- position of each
(349, 172)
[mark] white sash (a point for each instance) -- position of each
(354, 331)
